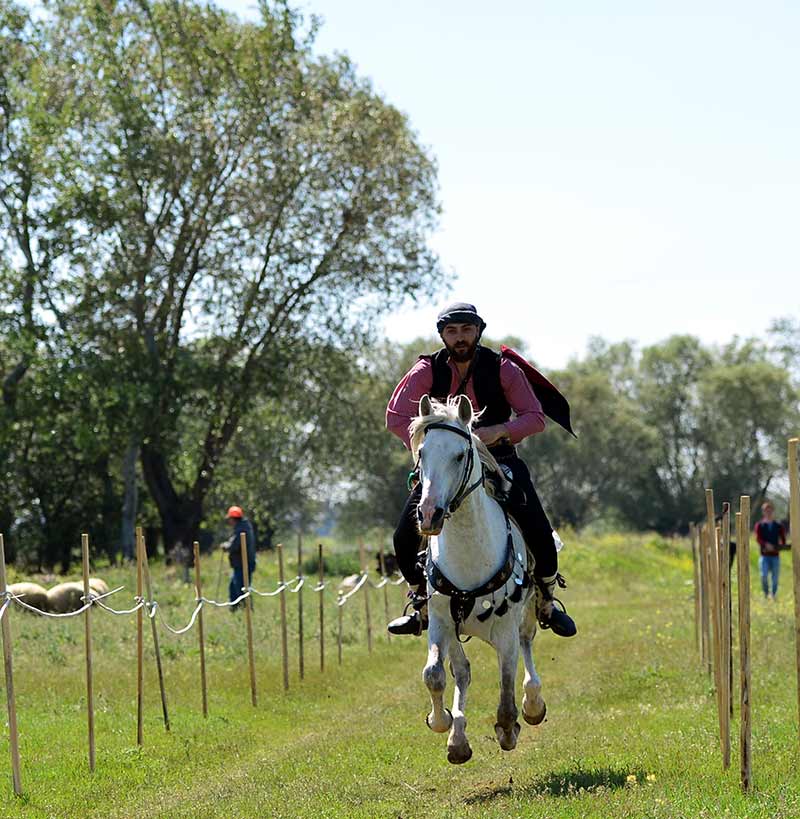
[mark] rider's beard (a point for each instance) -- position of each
(462, 351)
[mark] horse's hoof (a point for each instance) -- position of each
(444, 728)
(507, 739)
(458, 756)
(535, 720)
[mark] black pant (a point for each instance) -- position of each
(524, 506)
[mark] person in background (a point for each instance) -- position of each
(771, 536)
(239, 523)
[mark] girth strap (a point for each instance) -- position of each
(463, 600)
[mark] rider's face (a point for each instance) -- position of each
(460, 341)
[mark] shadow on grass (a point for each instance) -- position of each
(562, 783)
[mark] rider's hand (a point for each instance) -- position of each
(491, 435)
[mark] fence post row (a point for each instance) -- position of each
(149, 604)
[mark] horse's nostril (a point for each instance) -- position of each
(438, 514)
(419, 514)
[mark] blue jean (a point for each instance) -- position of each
(769, 564)
(237, 582)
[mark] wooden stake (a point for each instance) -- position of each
(794, 523)
(154, 631)
(198, 587)
(139, 642)
(340, 607)
(321, 611)
(88, 643)
(363, 557)
(705, 588)
(719, 650)
(248, 616)
(725, 613)
(743, 566)
(301, 659)
(11, 702)
(385, 593)
(284, 635)
(695, 575)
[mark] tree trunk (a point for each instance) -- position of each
(180, 514)
(130, 500)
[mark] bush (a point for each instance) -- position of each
(334, 564)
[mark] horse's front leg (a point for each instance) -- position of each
(507, 727)
(533, 707)
(440, 719)
(458, 749)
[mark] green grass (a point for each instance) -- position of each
(631, 728)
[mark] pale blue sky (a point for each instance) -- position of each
(623, 169)
(628, 173)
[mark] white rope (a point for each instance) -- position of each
(319, 587)
(139, 603)
(24, 605)
(231, 603)
(281, 587)
(154, 607)
(299, 585)
(4, 607)
(345, 597)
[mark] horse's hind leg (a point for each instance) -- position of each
(507, 727)
(458, 749)
(533, 706)
(434, 676)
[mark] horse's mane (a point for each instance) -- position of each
(448, 413)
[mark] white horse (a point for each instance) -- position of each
(479, 580)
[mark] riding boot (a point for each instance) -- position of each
(548, 614)
(417, 621)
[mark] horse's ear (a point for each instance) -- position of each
(464, 410)
(425, 406)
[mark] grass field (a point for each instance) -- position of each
(631, 729)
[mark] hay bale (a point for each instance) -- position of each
(32, 593)
(98, 586)
(65, 597)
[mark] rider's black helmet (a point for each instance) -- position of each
(460, 313)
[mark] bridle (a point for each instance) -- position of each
(464, 490)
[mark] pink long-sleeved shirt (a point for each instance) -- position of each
(404, 404)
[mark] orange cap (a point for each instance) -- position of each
(234, 512)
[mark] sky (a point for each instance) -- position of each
(620, 169)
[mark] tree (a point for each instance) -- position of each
(234, 195)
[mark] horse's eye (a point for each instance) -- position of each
(460, 457)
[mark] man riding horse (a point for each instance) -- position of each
(499, 388)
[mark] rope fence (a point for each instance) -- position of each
(145, 604)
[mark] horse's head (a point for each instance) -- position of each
(442, 443)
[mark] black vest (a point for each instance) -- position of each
(485, 382)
